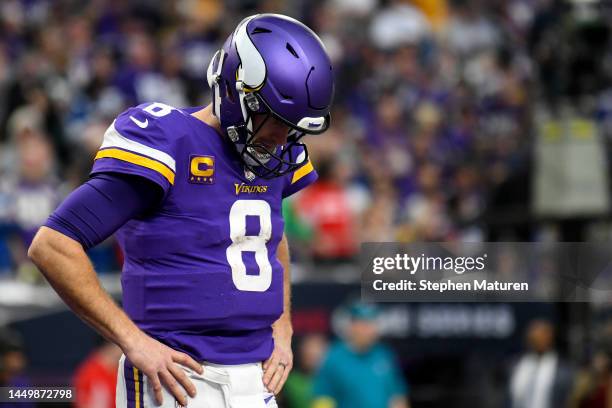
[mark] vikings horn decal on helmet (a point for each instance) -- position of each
(275, 66)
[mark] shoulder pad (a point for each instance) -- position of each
(140, 141)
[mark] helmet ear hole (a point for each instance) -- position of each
(229, 92)
(260, 30)
(292, 51)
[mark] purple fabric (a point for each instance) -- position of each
(95, 210)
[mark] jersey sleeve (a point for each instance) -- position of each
(137, 143)
(300, 178)
(95, 210)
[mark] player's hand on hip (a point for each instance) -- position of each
(277, 368)
(162, 366)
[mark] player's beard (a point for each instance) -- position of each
(267, 159)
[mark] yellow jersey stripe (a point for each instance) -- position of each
(138, 160)
(302, 171)
(136, 388)
(114, 139)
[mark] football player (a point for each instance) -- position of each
(195, 197)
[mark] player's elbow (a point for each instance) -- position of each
(46, 245)
(49, 244)
(39, 247)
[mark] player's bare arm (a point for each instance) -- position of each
(280, 363)
(66, 266)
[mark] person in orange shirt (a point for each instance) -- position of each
(436, 12)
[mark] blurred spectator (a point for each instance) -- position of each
(378, 224)
(435, 10)
(326, 208)
(425, 212)
(358, 371)
(13, 363)
(297, 391)
(398, 24)
(469, 30)
(95, 380)
(29, 194)
(541, 378)
(298, 232)
(593, 388)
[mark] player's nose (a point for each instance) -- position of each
(276, 132)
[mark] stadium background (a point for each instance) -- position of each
(453, 120)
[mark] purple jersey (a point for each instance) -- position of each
(201, 272)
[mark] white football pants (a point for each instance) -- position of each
(220, 386)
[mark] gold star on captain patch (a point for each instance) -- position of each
(192, 178)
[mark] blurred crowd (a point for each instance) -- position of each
(331, 372)
(432, 126)
(329, 375)
(437, 109)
